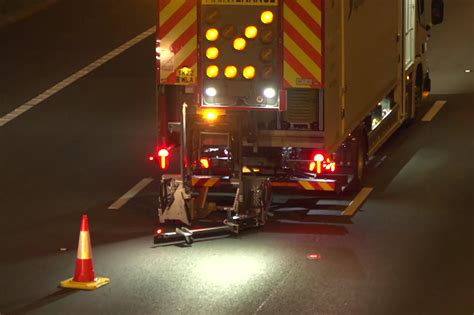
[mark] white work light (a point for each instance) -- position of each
(211, 92)
(269, 92)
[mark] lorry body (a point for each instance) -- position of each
(267, 95)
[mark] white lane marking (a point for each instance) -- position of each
(357, 202)
(433, 110)
(74, 77)
(272, 293)
(379, 162)
(130, 194)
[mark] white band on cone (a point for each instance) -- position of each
(84, 248)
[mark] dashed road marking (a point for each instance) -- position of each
(433, 110)
(130, 194)
(379, 162)
(74, 77)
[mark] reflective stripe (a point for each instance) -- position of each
(177, 44)
(326, 186)
(306, 185)
(302, 41)
(168, 9)
(205, 181)
(84, 248)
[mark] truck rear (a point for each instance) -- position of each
(258, 96)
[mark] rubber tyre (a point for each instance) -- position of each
(360, 159)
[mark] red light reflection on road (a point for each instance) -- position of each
(314, 256)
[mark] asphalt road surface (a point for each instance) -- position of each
(408, 251)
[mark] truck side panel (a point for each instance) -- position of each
(366, 33)
(372, 52)
(333, 128)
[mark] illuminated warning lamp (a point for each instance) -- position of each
(205, 163)
(212, 53)
(230, 72)
(251, 32)
(158, 231)
(211, 92)
(212, 34)
(266, 17)
(210, 115)
(163, 155)
(212, 71)
(269, 92)
(249, 72)
(240, 43)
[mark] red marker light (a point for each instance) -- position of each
(163, 155)
(318, 157)
(204, 163)
(320, 163)
(158, 231)
(151, 158)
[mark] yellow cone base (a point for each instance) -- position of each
(71, 284)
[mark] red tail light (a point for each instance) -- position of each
(318, 157)
(158, 231)
(204, 163)
(163, 155)
(321, 163)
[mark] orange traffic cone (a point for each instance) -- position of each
(84, 277)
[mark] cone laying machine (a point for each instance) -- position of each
(261, 96)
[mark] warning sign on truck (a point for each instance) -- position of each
(184, 75)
